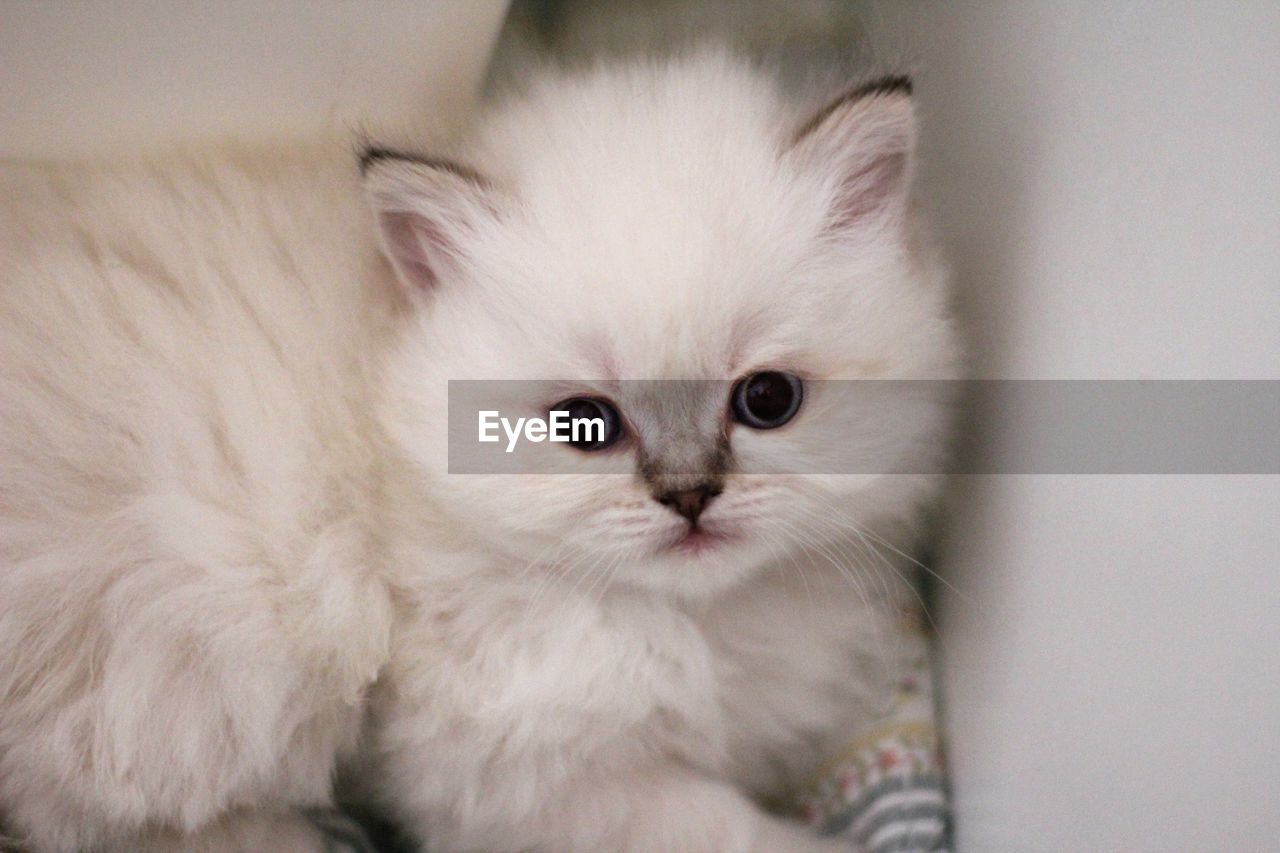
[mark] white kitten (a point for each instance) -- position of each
(593, 662)
(225, 506)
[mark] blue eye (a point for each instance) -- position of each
(766, 400)
(589, 408)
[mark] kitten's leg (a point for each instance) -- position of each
(676, 810)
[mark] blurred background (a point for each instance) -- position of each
(1106, 178)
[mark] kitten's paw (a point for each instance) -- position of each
(342, 834)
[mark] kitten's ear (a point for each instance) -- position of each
(425, 210)
(865, 141)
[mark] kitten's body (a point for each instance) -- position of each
(226, 504)
(190, 610)
(556, 715)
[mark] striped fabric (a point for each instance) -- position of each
(887, 789)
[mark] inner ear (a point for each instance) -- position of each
(864, 142)
(427, 211)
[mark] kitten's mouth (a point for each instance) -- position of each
(697, 541)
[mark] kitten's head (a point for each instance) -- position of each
(675, 221)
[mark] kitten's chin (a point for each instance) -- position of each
(697, 564)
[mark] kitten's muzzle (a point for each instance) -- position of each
(689, 502)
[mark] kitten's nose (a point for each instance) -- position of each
(689, 502)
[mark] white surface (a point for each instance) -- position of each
(1108, 179)
(78, 78)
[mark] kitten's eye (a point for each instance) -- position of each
(589, 436)
(767, 400)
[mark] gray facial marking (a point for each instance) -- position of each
(680, 425)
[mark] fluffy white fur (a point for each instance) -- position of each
(191, 605)
(224, 504)
(560, 679)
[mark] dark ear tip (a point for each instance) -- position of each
(894, 84)
(372, 155)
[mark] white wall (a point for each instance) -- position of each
(79, 77)
(1107, 176)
